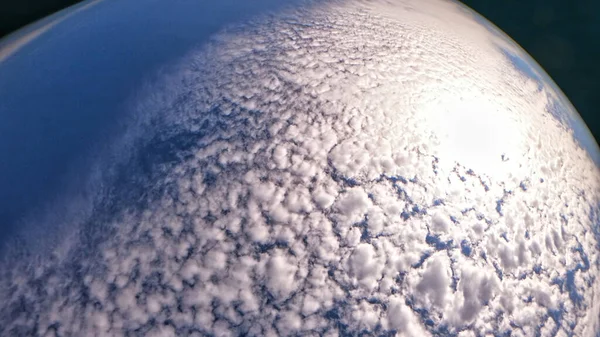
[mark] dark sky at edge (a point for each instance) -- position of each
(563, 36)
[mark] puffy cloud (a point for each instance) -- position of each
(332, 170)
(402, 319)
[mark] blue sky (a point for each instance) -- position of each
(63, 91)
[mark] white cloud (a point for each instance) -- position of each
(365, 265)
(434, 284)
(318, 189)
(280, 276)
(402, 319)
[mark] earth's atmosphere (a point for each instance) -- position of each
(332, 168)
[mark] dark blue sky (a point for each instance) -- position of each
(63, 92)
(563, 37)
(560, 109)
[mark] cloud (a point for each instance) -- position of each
(299, 177)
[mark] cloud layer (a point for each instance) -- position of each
(344, 168)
